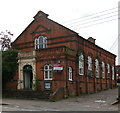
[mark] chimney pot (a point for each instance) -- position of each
(91, 40)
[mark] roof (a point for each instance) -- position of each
(42, 14)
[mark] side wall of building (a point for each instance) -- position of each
(65, 45)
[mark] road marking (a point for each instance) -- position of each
(100, 101)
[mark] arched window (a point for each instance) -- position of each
(108, 68)
(81, 64)
(89, 66)
(40, 42)
(48, 73)
(103, 70)
(112, 72)
(97, 67)
(70, 73)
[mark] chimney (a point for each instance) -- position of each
(41, 14)
(91, 40)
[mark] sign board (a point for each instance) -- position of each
(47, 85)
(58, 67)
(118, 82)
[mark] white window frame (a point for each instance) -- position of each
(108, 68)
(70, 73)
(103, 70)
(113, 73)
(97, 68)
(89, 65)
(40, 42)
(36, 44)
(49, 72)
(81, 64)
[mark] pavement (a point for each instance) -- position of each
(100, 101)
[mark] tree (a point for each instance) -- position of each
(9, 57)
(9, 65)
(5, 40)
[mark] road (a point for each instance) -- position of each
(100, 101)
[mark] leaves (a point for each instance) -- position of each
(5, 40)
(9, 65)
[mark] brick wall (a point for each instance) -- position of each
(64, 44)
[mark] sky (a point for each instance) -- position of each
(89, 18)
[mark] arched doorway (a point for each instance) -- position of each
(27, 77)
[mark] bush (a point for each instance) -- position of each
(9, 65)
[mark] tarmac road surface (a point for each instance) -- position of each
(100, 101)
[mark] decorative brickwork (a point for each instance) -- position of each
(63, 47)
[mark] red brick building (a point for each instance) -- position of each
(52, 56)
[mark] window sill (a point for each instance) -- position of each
(48, 79)
(81, 74)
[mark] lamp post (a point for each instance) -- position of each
(118, 83)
